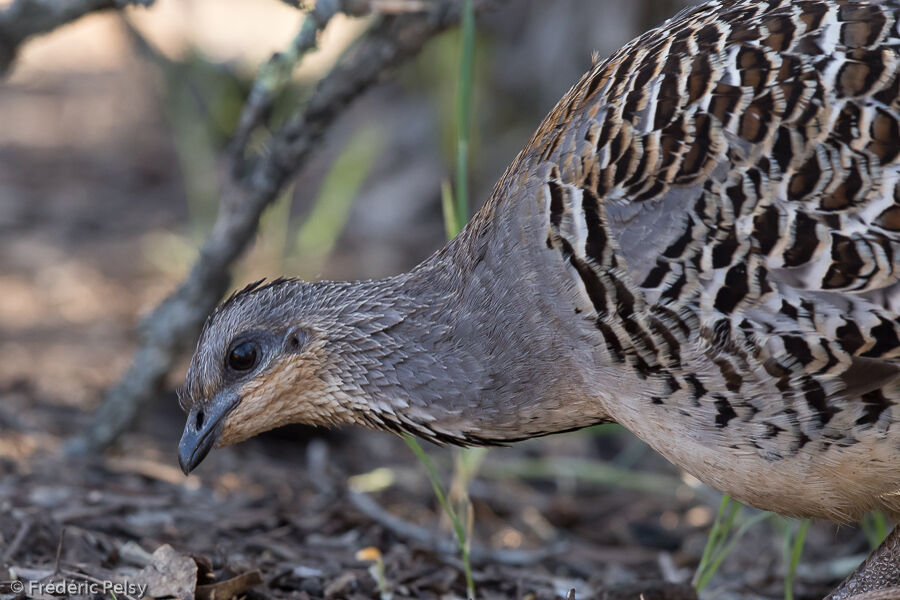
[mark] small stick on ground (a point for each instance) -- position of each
(17, 541)
(59, 547)
(421, 535)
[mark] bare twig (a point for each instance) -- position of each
(17, 541)
(426, 537)
(167, 330)
(26, 18)
(59, 547)
(276, 72)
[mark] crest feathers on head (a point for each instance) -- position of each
(255, 286)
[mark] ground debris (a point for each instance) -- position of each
(252, 524)
(649, 590)
(229, 588)
(170, 574)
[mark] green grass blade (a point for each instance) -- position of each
(433, 475)
(464, 110)
(796, 552)
(711, 541)
(721, 540)
(726, 548)
(875, 527)
(458, 527)
(451, 224)
(318, 234)
(273, 234)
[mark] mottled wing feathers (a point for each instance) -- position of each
(739, 168)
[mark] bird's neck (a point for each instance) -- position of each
(457, 354)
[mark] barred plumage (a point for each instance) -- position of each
(728, 183)
(701, 242)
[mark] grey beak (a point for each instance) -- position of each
(202, 430)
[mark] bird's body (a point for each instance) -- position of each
(723, 197)
(701, 242)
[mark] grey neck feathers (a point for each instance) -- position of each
(456, 355)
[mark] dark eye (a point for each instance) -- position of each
(243, 356)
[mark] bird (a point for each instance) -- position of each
(700, 242)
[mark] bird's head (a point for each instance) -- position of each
(268, 356)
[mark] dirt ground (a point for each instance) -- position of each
(93, 203)
(282, 517)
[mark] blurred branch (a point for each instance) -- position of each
(166, 332)
(26, 18)
(277, 71)
(274, 75)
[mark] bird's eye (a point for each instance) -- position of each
(243, 356)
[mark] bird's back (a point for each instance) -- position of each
(723, 196)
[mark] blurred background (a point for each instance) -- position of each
(110, 138)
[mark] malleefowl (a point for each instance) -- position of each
(701, 242)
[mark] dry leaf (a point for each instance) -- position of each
(229, 588)
(170, 574)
